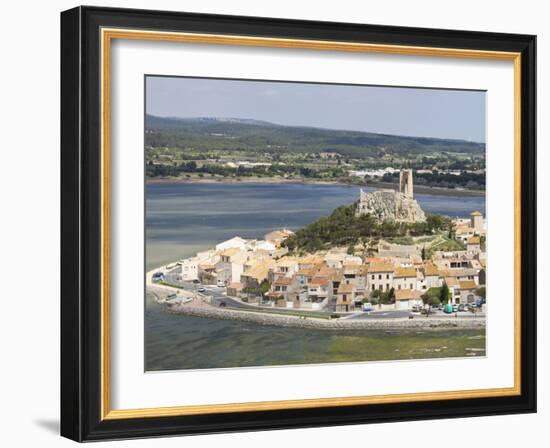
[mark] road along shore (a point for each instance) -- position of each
(417, 323)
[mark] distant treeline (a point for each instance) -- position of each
(474, 181)
(275, 170)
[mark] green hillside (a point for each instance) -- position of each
(251, 136)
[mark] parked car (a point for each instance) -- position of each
(158, 276)
(448, 308)
(201, 289)
(461, 307)
(196, 281)
(368, 307)
(416, 309)
(455, 308)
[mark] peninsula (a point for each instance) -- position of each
(380, 263)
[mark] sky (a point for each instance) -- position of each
(455, 114)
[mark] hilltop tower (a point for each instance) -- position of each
(392, 205)
(406, 183)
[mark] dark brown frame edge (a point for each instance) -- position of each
(80, 224)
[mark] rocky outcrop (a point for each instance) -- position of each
(390, 205)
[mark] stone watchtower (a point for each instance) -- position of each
(406, 183)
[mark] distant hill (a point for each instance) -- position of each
(211, 133)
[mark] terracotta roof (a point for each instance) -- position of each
(285, 281)
(207, 266)
(406, 294)
(374, 260)
(476, 213)
(325, 271)
(258, 272)
(346, 288)
(308, 272)
(318, 281)
(405, 272)
(430, 269)
(380, 267)
(474, 240)
(451, 282)
(461, 230)
(351, 269)
(467, 284)
(230, 252)
(311, 259)
(459, 272)
(287, 261)
(235, 285)
(475, 264)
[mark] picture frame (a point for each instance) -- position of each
(86, 37)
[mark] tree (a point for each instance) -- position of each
(431, 297)
(452, 232)
(481, 292)
(264, 287)
(423, 254)
(444, 294)
(384, 298)
(387, 296)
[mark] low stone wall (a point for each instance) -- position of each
(417, 323)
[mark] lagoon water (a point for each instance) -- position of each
(183, 218)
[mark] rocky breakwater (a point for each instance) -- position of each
(201, 309)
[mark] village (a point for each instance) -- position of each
(262, 274)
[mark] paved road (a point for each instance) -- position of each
(219, 295)
(381, 315)
(403, 313)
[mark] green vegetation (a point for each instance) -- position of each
(259, 291)
(482, 292)
(216, 148)
(473, 181)
(432, 296)
(343, 228)
(241, 135)
(444, 294)
(383, 297)
(443, 242)
(436, 296)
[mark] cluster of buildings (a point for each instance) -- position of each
(246, 164)
(334, 280)
(373, 172)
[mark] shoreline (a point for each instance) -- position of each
(422, 189)
(401, 324)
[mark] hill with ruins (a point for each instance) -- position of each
(384, 214)
(390, 205)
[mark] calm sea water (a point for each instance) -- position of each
(182, 219)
